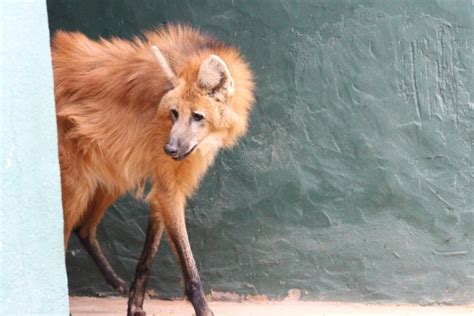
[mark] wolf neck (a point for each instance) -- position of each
(144, 82)
(191, 170)
(210, 145)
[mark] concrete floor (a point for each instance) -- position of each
(117, 306)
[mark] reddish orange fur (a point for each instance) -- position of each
(112, 127)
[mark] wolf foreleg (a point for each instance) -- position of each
(176, 227)
(137, 290)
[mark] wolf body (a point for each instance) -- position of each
(158, 107)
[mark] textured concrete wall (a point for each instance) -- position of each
(356, 179)
(33, 273)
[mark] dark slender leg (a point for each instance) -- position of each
(193, 285)
(137, 290)
(176, 227)
(92, 246)
(87, 235)
(168, 207)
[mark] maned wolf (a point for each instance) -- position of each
(158, 107)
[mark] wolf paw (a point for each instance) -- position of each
(122, 288)
(135, 311)
(207, 312)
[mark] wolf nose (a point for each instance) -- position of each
(171, 150)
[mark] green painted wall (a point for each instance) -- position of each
(33, 273)
(355, 181)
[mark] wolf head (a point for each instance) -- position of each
(198, 105)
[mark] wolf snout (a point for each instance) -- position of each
(171, 150)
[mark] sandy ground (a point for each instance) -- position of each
(117, 306)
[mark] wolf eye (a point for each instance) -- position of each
(174, 114)
(197, 117)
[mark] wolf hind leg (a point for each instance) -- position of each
(86, 233)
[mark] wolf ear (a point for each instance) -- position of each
(165, 66)
(215, 77)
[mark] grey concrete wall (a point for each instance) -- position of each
(33, 272)
(355, 181)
